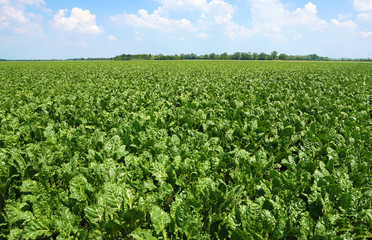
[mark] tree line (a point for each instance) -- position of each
(212, 56)
(236, 56)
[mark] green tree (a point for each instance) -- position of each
(224, 56)
(262, 56)
(254, 56)
(244, 56)
(283, 56)
(274, 55)
(236, 56)
(314, 57)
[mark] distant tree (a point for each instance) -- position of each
(314, 57)
(300, 58)
(236, 56)
(262, 56)
(254, 56)
(224, 56)
(190, 56)
(250, 57)
(244, 56)
(282, 56)
(274, 54)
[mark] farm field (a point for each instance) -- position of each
(185, 150)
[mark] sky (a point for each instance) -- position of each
(54, 29)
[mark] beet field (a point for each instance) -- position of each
(185, 150)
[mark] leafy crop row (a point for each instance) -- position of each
(185, 150)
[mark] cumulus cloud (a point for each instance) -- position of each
(23, 2)
(219, 14)
(308, 16)
(31, 2)
(112, 38)
(236, 31)
(14, 15)
(80, 21)
(363, 5)
(203, 35)
(3, 22)
(214, 13)
(345, 24)
(155, 20)
(366, 35)
(182, 5)
(270, 16)
(364, 17)
(343, 17)
(221, 11)
(16, 20)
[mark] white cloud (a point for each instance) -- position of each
(215, 13)
(364, 17)
(154, 20)
(22, 2)
(183, 5)
(14, 15)
(3, 22)
(366, 35)
(79, 21)
(236, 31)
(270, 16)
(363, 5)
(297, 36)
(222, 11)
(308, 16)
(203, 35)
(342, 17)
(17, 21)
(345, 24)
(219, 14)
(31, 2)
(111, 38)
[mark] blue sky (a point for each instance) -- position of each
(44, 29)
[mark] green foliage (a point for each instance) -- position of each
(185, 150)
